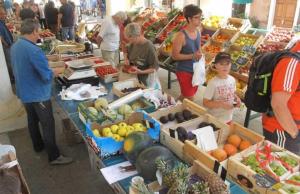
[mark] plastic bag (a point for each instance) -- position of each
(153, 81)
(199, 72)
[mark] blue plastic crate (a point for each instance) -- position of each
(109, 146)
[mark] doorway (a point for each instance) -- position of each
(285, 13)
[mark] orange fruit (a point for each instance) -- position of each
(219, 154)
(230, 149)
(234, 140)
(244, 145)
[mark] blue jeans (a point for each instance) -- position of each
(68, 33)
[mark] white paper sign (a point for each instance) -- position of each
(114, 173)
(206, 139)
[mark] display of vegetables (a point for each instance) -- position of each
(277, 168)
(105, 70)
(213, 49)
(178, 23)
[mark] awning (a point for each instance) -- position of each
(242, 1)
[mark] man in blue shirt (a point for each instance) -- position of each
(7, 41)
(33, 79)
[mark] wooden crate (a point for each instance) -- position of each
(224, 32)
(258, 39)
(212, 43)
(176, 145)
(9, 157)
(198, 154)
(197, 168)
(130, 83)
(186, 104)
(253, 183)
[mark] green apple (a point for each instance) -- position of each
(114, 128)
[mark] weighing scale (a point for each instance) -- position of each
(78, 71)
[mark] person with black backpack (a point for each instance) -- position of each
(274, 90)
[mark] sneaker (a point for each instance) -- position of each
(61, 160)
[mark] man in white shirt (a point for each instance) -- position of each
(109, 37)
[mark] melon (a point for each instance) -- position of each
(134, 143)
(125, 109)
(93, 111)
(100, 103)
(146, 161)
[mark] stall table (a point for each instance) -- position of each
(70, 110)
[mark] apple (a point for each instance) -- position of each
(114, 128)
(106, 131)
(138, 126)
(122, 124)
(96, 133)
(116, 137)
(122, 131)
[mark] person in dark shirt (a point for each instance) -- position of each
(51, 14)
(66, 20)
(27, 13)
(7, 41)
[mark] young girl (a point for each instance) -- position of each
(219, 96)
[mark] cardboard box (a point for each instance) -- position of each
(168, 139)
(121, 85)
(248, 179)
(109, 146)
(196, 153)
(10, 157)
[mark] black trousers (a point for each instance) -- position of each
(43, 23)
(284, 140)
(41, 112)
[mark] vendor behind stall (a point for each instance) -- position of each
(141, 56)
(109, 37)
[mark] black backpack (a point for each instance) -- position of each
(258, 94)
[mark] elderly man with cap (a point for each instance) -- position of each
(109, 37)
